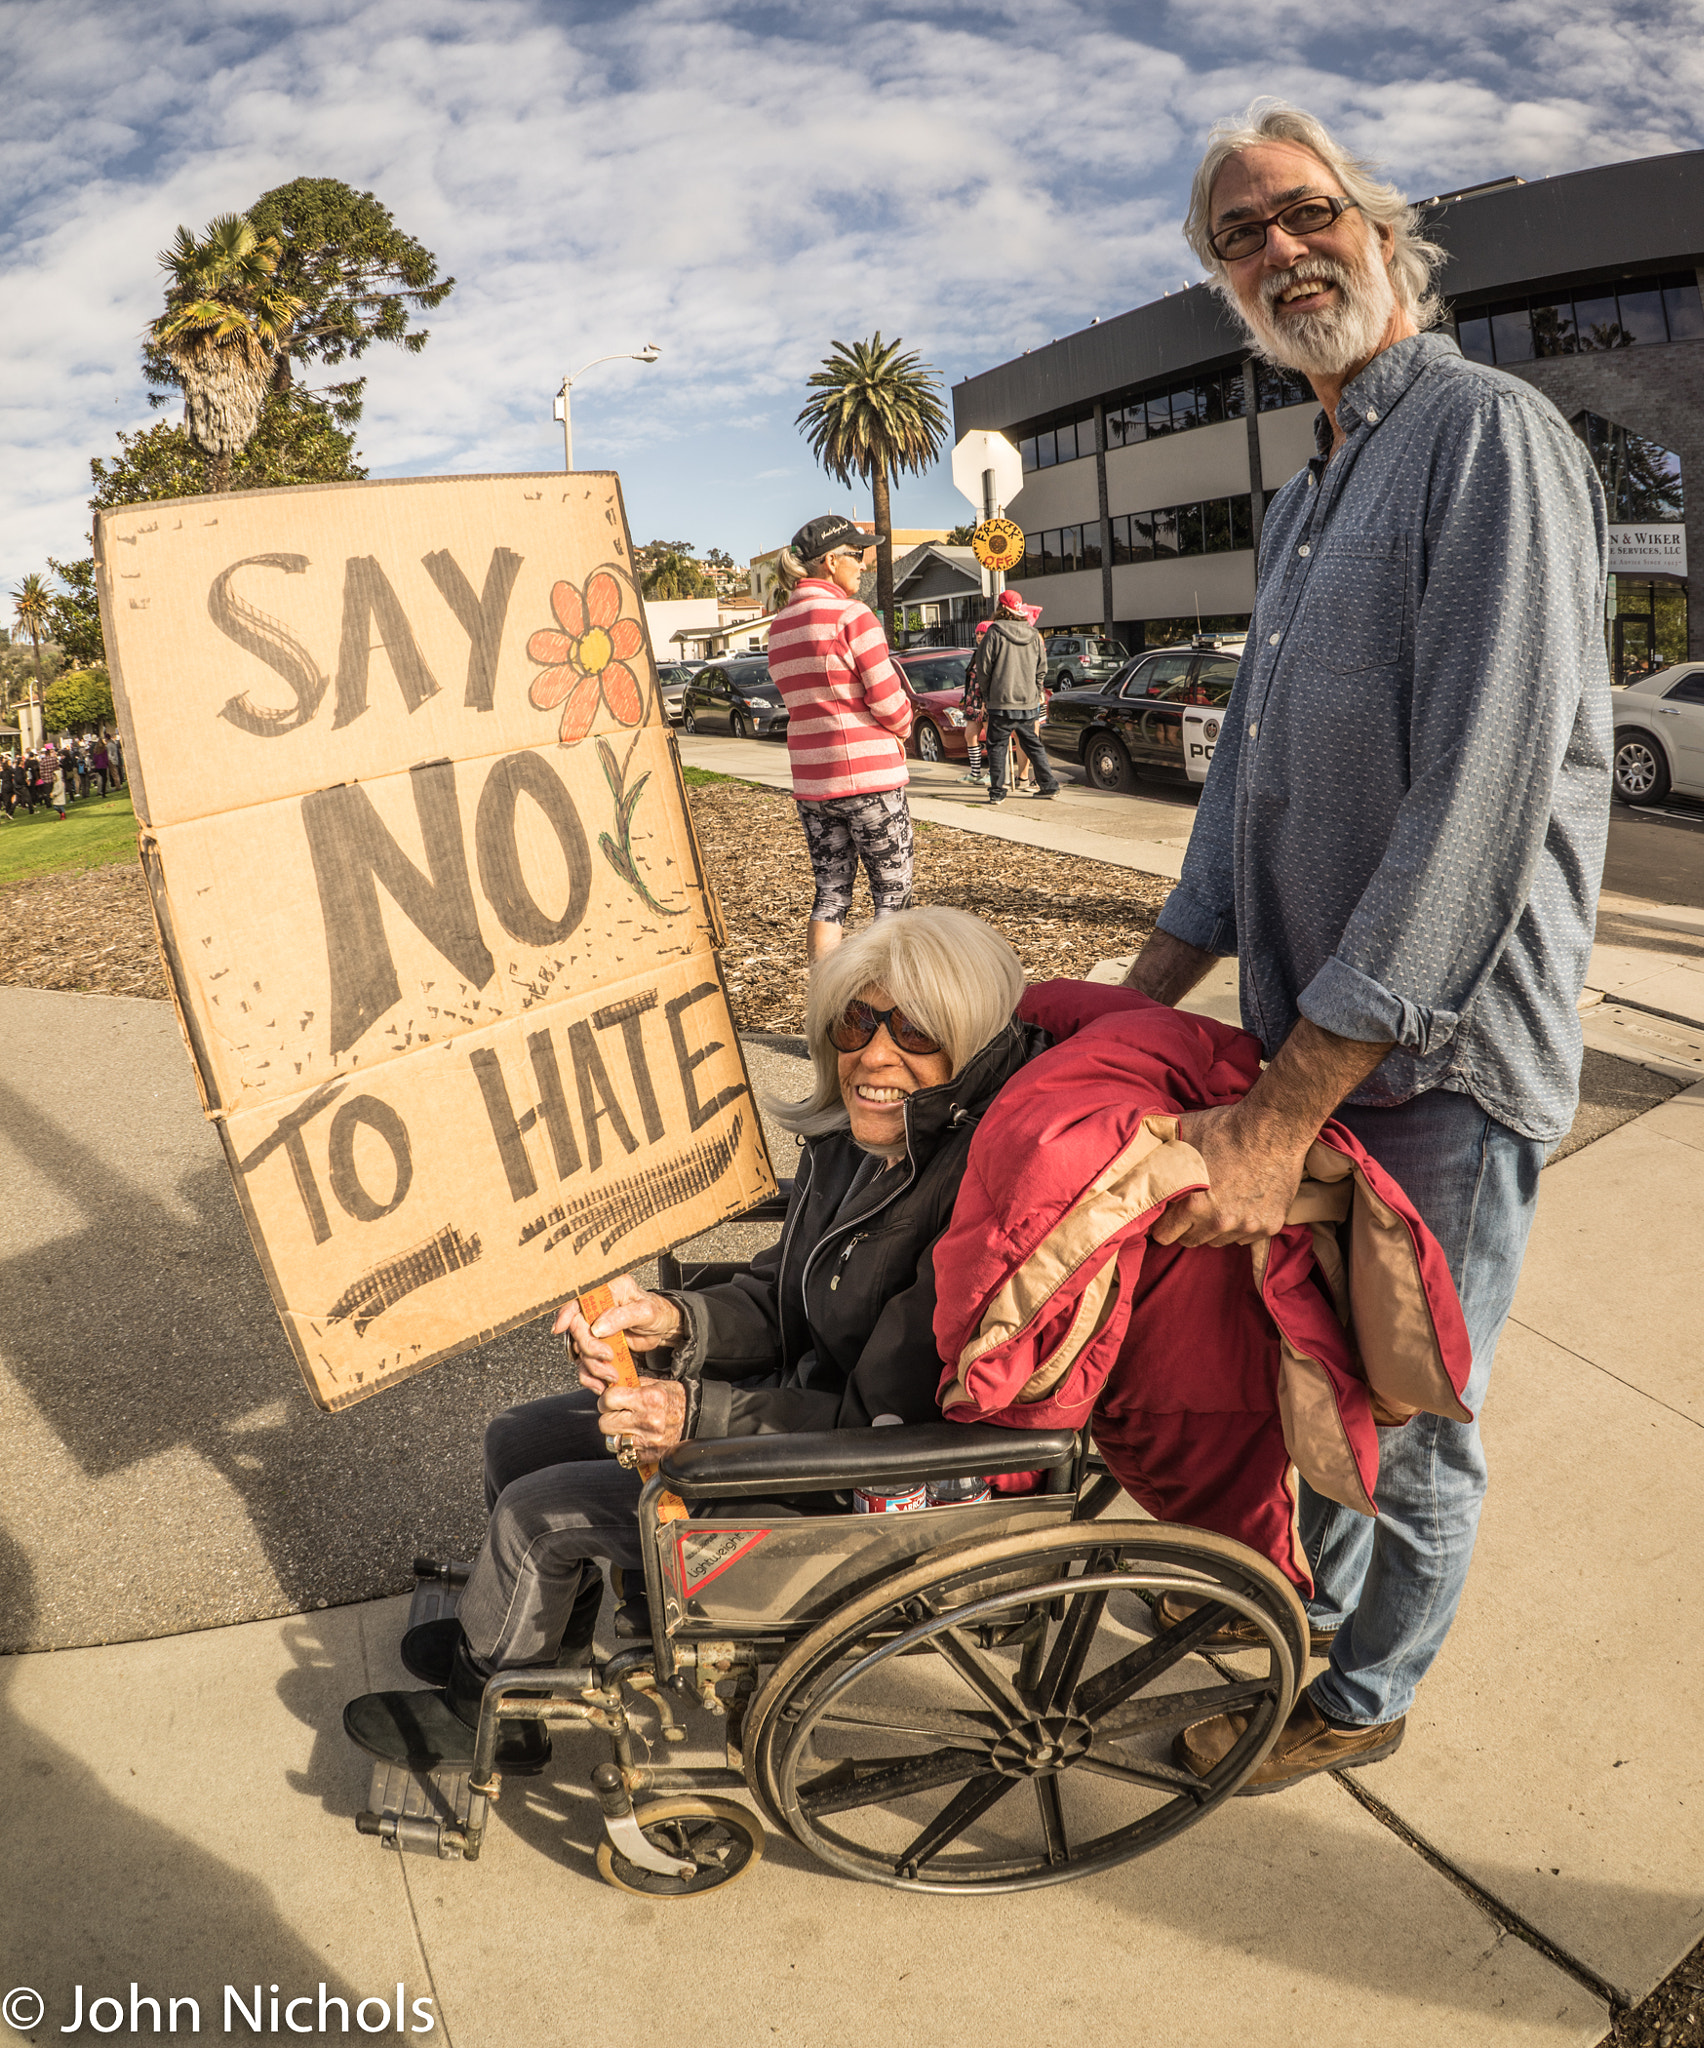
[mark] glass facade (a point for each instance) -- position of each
(1133, 417)
(1059, 443)
(1214, 526)
(1641, 479)
(1585, 320)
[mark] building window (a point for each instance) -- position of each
(1584, 322)
(1058, 443)
(1641, 479)
(1204, 401)
(1283, 387)
(1215, 526)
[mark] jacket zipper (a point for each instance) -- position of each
(846, 1251)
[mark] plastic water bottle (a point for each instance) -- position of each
(959, 1493)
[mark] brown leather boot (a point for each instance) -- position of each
(1237, 1634)
(1308, 1744)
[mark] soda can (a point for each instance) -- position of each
(959, 1493)
(877, 1500)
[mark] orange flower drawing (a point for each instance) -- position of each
(588, 660)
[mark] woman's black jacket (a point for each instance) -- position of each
(836, 1321)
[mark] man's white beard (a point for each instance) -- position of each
(1323, 344)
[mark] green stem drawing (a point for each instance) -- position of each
(620, 856)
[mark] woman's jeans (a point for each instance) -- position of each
(557, 1500)
(1391, 1586)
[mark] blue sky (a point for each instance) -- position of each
(740, 184)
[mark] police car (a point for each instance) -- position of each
(1158, 715)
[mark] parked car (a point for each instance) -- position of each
(1659, 735)
(672, 679)
(1077, 658)
(934, 682)
(736, 697)
(1158, 714)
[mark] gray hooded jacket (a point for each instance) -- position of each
(1008, 666)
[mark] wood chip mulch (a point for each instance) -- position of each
(92, 932)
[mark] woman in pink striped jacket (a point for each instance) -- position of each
(848, 718)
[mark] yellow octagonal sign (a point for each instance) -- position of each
(999, 544)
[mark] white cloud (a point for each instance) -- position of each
(741, 187)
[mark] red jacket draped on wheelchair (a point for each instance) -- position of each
(1210, 1376)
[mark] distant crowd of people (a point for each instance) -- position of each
(60, 775)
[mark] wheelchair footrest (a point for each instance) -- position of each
(437, 1590)
(428, 1813)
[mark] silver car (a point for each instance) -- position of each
(1659, 735)
(672, 679)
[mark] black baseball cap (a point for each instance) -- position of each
(818, 537)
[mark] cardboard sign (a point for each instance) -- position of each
(429, 900)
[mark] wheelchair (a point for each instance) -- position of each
(949, 1699)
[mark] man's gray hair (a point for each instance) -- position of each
(1414, 261)
(947, 970)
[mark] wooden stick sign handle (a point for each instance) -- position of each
(592, 1305)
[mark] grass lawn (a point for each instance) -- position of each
(96, 833)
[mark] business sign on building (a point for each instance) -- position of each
(1647, 550)
(429, 900)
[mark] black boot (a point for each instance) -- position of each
(429, 1650)
(422, 1730)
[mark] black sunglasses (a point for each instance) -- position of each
(1304, 217)
(858, 1023)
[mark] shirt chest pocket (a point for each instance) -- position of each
(1354, 613)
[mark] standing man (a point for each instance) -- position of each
(1006, 671)
(1400, 838)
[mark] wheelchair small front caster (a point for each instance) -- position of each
(718, 1837)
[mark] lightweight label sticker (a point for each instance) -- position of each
(704, 1557)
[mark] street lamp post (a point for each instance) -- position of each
(648, 354)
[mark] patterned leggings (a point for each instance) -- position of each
(842, 830)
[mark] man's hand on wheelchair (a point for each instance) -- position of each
(1254, 1173)
(650, 1321)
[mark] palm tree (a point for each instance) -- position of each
(32, 608)
(875, 413)
(225, 322)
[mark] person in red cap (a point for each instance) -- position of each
(1006, 670)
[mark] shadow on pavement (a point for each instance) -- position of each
(101, 1895)
(146, 1333)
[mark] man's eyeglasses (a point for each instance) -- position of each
(858, 1023)
(1306, 217)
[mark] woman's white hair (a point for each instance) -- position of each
(946, 970)
(1414, 260)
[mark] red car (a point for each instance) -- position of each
(934, 682)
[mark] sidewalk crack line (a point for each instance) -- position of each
(1644, 1393)
(1504, 1916)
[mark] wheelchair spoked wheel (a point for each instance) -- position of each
(991, 1721)
(718, 1835)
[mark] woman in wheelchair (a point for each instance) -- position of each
(912, 1033)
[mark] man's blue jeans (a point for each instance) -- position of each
(1391, 1586)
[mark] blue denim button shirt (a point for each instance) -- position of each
(1403, 829)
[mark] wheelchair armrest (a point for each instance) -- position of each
(749, 1467)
